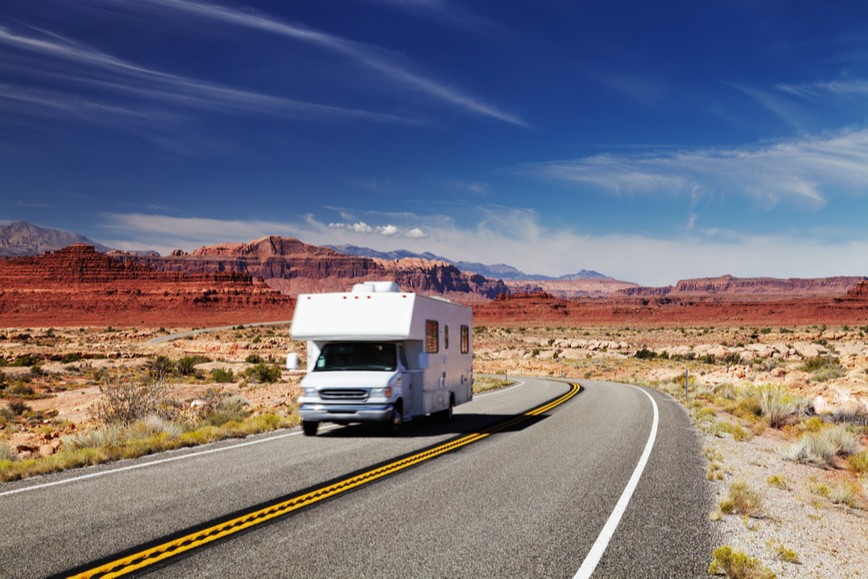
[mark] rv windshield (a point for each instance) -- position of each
(375, 356)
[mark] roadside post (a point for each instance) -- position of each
(686, 381)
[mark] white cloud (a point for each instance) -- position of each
(805, 170)
(517, 238)
(145, 82)
(386, 230)
(370, 57)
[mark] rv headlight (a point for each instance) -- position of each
(381, 392)
(310, 391)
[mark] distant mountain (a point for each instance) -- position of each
(495, 271)
(22, 238)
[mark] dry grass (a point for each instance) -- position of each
(741, 500)
(737, 565)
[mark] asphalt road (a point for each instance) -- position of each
(530, 500)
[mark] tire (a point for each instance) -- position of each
(393, 425)
(309, 427)
(445, 416)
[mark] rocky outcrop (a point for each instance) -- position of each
(571, 289)
(294, 267)
(859, 292)
(77, 283)
(759, 286)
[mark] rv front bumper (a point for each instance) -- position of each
(345, 413)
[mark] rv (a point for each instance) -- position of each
(377, 354)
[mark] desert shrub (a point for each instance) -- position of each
(778, 481)
(786, 554)
(858, 463)
(645, 354)
(738, 433)
(254, 359)
(222, 375)
(6, 452)
(71, 357)
(725, 391)
(187, 365)
(220, 408)
(103, 437)
(847, 494)
(819, 448)
(845, 442)
(776, 404)
(27, 360)
(160, 368)
(20, 390)
(128, 397)
(17, 407)
(737, 565)
(731, 359)
(826, 374)
(741, 500)
(36, 370)
(263, 373)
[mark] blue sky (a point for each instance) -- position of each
(648, 141)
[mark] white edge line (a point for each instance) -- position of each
(194, 454)
(596, 552)
(153, 462)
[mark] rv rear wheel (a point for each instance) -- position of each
(309, 427)
(445, 416)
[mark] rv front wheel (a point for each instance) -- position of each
(309, 427)
(395, 420)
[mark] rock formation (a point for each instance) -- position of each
(294, 267)
(758, 286)
(77, 285)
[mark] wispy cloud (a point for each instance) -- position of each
(517, 237)
(386, 230)
(368, 56)
(805, 170)
(142, 81)
(446, 11)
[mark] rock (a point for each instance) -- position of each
(24, 455)
(46, 450)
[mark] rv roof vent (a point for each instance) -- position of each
(370, 287)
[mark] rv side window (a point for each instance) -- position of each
(445, 337)
(432, 337)
(465, 339)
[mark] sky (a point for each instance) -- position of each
(648, 141)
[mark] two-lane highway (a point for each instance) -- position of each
(530, 499)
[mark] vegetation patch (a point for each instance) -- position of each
(736, 565)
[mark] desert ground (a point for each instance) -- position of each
(54, 380)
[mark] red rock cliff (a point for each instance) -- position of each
(729, 285)
(79, 285)
(294, 267)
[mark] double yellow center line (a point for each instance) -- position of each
(169, 549)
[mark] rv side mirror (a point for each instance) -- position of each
(292, 361)
(423, 361)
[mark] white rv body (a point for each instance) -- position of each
(433, 374)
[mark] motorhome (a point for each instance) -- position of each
(378, 354)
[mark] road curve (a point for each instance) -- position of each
(528, 500)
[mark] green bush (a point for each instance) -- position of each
(17, 407)
(858, 463)
(19, 390)
(27, 360)
(222, 376)
(254, 359)
(645, 354)
(160, 368)
(263, 373)
(71, 357)
(187, 365)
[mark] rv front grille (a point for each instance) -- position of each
(343, 394)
